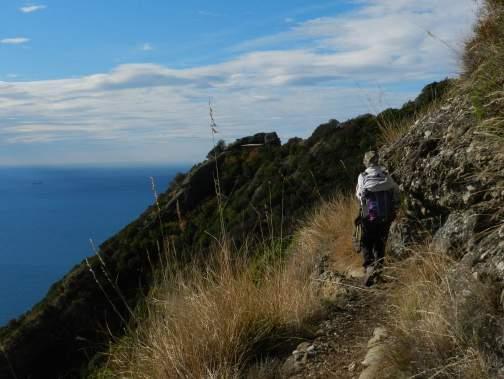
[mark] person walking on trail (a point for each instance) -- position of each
(379, 198)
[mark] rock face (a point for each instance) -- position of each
(452, 179)
(197, 185)
(456, 235)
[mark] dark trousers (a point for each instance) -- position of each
(374, 238)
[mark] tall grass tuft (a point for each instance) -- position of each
(328, 231)
(442, 320)
(392, 131)
(214, 322)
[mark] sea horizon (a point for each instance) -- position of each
(49, 213)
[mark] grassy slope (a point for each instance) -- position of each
(36, 344)
(218, 319)
(484, 74)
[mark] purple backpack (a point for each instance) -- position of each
(378, 206)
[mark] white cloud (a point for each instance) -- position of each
(393, 32)
(32, 8)
(14, 41)
(86, 109)
(333, 67)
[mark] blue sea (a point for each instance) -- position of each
(48, 215)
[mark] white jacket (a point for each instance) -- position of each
(376, 179)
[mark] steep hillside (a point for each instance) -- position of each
(265, 189)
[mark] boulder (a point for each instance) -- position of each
(374, 355)
(455, 236)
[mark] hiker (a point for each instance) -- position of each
(379, 198)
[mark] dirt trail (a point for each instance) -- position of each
(341, 341)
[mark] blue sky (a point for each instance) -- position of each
(104, 82)
(71, 38)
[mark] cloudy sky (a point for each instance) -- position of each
(128, 81)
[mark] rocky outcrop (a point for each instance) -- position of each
(456, 235)
(259, 139)
(452, 178)
(451, 174)
(197, 185)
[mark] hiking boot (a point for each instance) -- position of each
(378, 277)
(378, 274)
(369, 277)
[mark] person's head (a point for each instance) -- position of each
(371, 159)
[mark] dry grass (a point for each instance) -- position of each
(219, 319)
(329, 231)
(442, 321)
(213, 323)
(392, 131)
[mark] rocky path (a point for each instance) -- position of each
(342, 340)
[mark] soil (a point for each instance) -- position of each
(341, 342)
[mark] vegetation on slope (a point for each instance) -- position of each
(265, 191)
(271, 182)
(224, 318)
(394, 124)
(484, 68)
